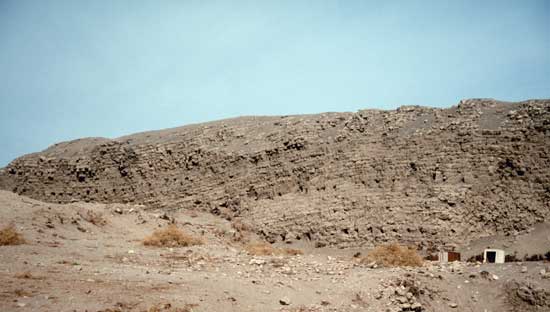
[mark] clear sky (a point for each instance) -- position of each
(71, 69)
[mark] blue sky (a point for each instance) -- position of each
(71, 69)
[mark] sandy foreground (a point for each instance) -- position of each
(90, 257)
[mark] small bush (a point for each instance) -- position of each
(9, 236)
(22, 293)
(171, 236)
(394, 255)
(24, 275)
(265, 249)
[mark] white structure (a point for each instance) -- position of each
(493, 256)
(443, 257)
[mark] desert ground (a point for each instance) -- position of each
(91, 257)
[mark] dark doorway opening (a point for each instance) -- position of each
(491, 256)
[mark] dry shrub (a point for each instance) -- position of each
(24, 275)
(394, 255)
(259, 249)
(171, 236)
(9, 236)
(265, 249)
(21, 293)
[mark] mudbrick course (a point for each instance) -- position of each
(430, 177)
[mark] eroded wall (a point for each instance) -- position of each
(426, 176)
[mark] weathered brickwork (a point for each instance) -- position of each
(418, 175)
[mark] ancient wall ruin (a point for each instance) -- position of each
(418, 175)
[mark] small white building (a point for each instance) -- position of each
(493, 256)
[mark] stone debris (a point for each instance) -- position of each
(257, 261)
(525, 294)
(405, 293)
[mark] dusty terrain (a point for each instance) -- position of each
(90, 257)
(331, 187)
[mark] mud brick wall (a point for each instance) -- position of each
(424, 176)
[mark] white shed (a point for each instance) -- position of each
(493, 256)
